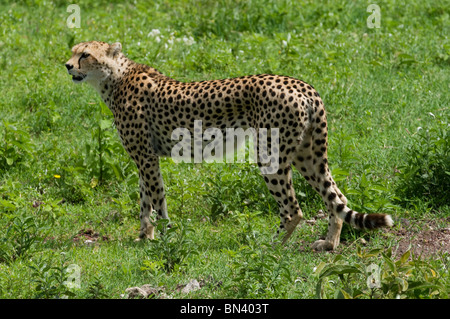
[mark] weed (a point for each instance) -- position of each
(100, 156)
(45, 117)
(9, 199)
(173, 247)
(246, 220)
(96, 289)
(15, 145)
(182, 186)
(371, 194)
(233, 189)
(71, 186)
(50, 279)
(259, 270)
(379, 276)
(20, 238)
(50, 211)
(426, 173)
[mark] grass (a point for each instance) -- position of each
(65, 179)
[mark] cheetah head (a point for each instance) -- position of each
(93, 61)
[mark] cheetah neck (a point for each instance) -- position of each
(117, 69)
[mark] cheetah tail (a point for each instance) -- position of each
(363, 221)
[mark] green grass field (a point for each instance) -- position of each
(69, 197)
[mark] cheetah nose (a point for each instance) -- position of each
(69, 66)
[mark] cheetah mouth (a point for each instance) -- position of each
(78, 78)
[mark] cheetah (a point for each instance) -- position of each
(148, 106)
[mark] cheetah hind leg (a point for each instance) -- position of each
(335, 223)
(332, 239)
(319, 177)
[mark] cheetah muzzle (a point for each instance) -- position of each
(149, 106)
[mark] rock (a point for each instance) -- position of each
(192, 285)
(146, 291)
(152, 291)
(136, 292)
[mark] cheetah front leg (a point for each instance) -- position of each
(280, 186)
(151, 188)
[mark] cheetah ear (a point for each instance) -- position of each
(114, 49)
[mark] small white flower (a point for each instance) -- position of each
(154, 33)
(188, 41)
(431, 114)
(419, 128)
(158, 39)
(284, 43)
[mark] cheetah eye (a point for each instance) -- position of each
(84, 55)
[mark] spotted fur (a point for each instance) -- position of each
(148, 106)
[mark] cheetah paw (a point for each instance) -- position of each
(143, 236)
(322, 245)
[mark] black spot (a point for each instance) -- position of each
(322, 168)
(332, 196)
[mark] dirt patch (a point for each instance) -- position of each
(428, 239)
(89, 236)
(425, 238)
